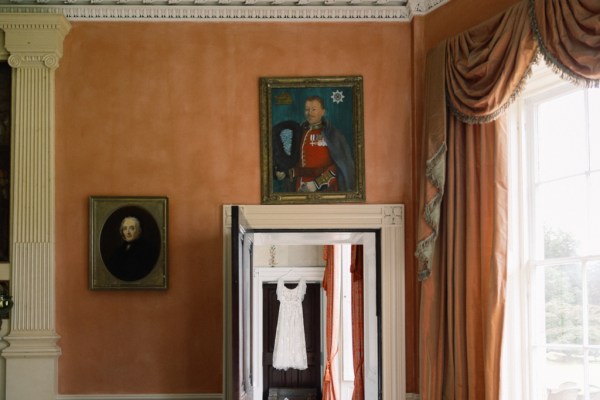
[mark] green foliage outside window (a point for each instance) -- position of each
(564, 294)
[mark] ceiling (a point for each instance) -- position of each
(224, 10)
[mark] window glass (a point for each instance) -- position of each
(594, 214)
(562, 233)
(564, 316)
(563, 373)
(593, 284)
(594, 104)
(561, 137)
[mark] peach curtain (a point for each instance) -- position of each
(331, 287)
(358, 324)
(462, 303)
(463, 233)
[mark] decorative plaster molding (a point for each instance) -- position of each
(32, 40)
(225, 10)
(19, 61)
(34, 345)
(284, 10)
(420, 7)
(393, 215)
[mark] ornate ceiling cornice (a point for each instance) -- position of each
(227, 10)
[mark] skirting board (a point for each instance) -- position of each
(409, 396)
(211, 396)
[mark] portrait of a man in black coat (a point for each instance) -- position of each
(135, 256)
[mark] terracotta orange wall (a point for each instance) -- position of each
(172, 109)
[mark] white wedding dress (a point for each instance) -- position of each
(290, 345)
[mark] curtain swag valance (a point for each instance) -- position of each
(478, 74)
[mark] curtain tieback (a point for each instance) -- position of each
(327, 377)
(328, 387)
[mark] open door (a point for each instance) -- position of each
(241, 288)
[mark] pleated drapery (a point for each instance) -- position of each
(462, 302)
(463, 233)
(358, 324)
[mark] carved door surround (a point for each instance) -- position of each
(388, 219)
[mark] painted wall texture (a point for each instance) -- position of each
(172, 109)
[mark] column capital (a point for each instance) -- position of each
(33, 40)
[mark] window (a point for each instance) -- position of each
(554, 276)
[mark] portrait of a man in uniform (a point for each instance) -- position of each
(312, 140)
(322, 159)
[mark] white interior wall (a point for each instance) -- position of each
(272, 255)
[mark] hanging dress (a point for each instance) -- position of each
(290, 345)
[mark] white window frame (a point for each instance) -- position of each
(521, 342)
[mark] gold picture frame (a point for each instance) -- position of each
(312, 140)
(128, 243)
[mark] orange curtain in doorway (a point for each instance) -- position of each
(358, 324)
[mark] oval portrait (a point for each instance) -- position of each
(130, 243)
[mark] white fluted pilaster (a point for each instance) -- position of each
(33, 44)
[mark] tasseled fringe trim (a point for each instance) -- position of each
(432, 172)
(424, 247)
(435, 172)
(557, 67)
